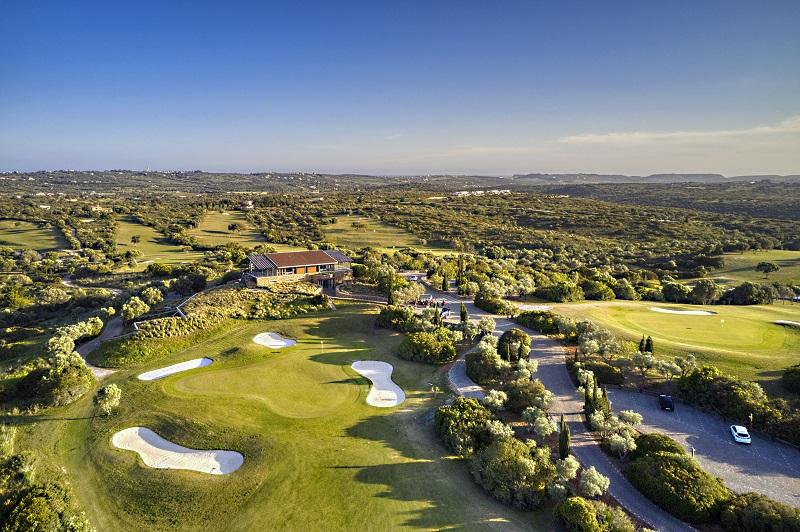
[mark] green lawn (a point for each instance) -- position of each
(317, 457)
(381, 236)
(154, 246)
(19, 234)
(741, 267)
(742, 340)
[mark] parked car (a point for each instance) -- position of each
(413, 278)
(740, 434)
(666, 402)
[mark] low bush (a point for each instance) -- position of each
(513, 345)
(523, 393)
(543, 321)
(461, 424)
(483, 364)
(791, 379)
(653, 442)
(494, 305)
(578, 515)
(436, 347)
(677, 484)
(754, 512)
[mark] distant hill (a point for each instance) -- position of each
(588, 179)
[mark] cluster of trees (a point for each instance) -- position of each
(583, 515)
(434, 347)
(29, 503)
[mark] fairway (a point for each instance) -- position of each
(18, 234)
(742, 340)
(383, 237)
(154, 247)
(742, 267)
(316, 455)
(213, 231)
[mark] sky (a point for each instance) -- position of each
(470, 87)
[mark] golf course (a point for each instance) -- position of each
(19, 234)
(742, 267)
(314, 453)
(153, 246)
(357, 232)
(742, 340)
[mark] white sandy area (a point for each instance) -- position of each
(160, 373)
(684, 312)
(273, 340)
(158, 453)
(790, 323)
(535, 307)
(384, 393)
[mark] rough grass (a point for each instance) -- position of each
(317, 457)
(742, 267)
(381, 236)
(213, 231)
(154, 247)
(741, 340)
(18, 234)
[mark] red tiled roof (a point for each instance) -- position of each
(290, 259)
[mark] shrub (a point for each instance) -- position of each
(524, 393)
(460, 425)
(613, 518)
(395, 317)
(513, 345)
(791, 379)
(678, 484)
(494, 305)
(593, 483)
(513, 473)
(543, 321)
(563, 292)
(756, 513)
(605, 373)
(483, 364)
(435, 347)
(653, 442)
(578, 515)
(62, 381)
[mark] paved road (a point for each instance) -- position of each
(553, 374)
(765, 466)
(112, 329)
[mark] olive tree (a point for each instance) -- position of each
(592, 483)
(108, 398)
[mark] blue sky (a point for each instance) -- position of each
(404, 87)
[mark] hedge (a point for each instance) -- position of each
(754, 512)
(653, 442)
(461, 425)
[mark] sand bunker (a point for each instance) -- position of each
(160, 373)
(788, 323)
(158, 453)
(384, 393)
(273, 340)
(535, 307)
(684, 312)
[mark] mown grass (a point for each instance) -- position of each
(317, 457)
(154, 247)
(741, 340)
(742, 267)
(19, 234)
(383, 237)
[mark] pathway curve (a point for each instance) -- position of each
(553, 374)
(112, 329)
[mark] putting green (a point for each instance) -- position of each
(743, 340)
(742, 267)
(18, 234)
(316, 455)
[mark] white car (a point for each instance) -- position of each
(740, 434)
(413, 278)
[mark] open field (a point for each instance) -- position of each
(154, 247)
(213, 231)
(742, 267)
(381, 236)
(19, 234)
(316, 456)
(742, 340)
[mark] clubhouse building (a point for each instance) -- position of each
(326, 268)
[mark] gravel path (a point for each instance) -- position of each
(112, 329)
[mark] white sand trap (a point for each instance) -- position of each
(160, 373)
(536, 307)
(384, 392)
(684, 312)
(273, 340)
(789, 323)
(158, 453)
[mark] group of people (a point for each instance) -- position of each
(429, 302)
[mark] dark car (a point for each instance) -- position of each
(666, 402)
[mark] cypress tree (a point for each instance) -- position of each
(648, 345)
(563, 439)
(587, 402)
(445, 283)
(641, 345)
(464, 313)
(390, 288)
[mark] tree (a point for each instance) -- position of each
(593, 484)
(567, 468)
(445, 283)
(486, 325)
(667, 369)
(108, 398)
(135, 239)
(543, 427)
(578, 515)
(631, 418)
(234, 227)
(464, 315)
(134, 308)
(686, 364)
(152, 295)
(643, 362)
(705, 291)
(514, 344)
(767, 268)
(564, 443)
(461, 424)
(648, 345)
(621, 444)
(495, 399)
(390, 289)
(641, 345)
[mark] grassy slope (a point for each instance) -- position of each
(154, 246)
(213, 231)
(741, 267)
(19, 234)
(381, 236)
(316, 456)
(741, 340)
